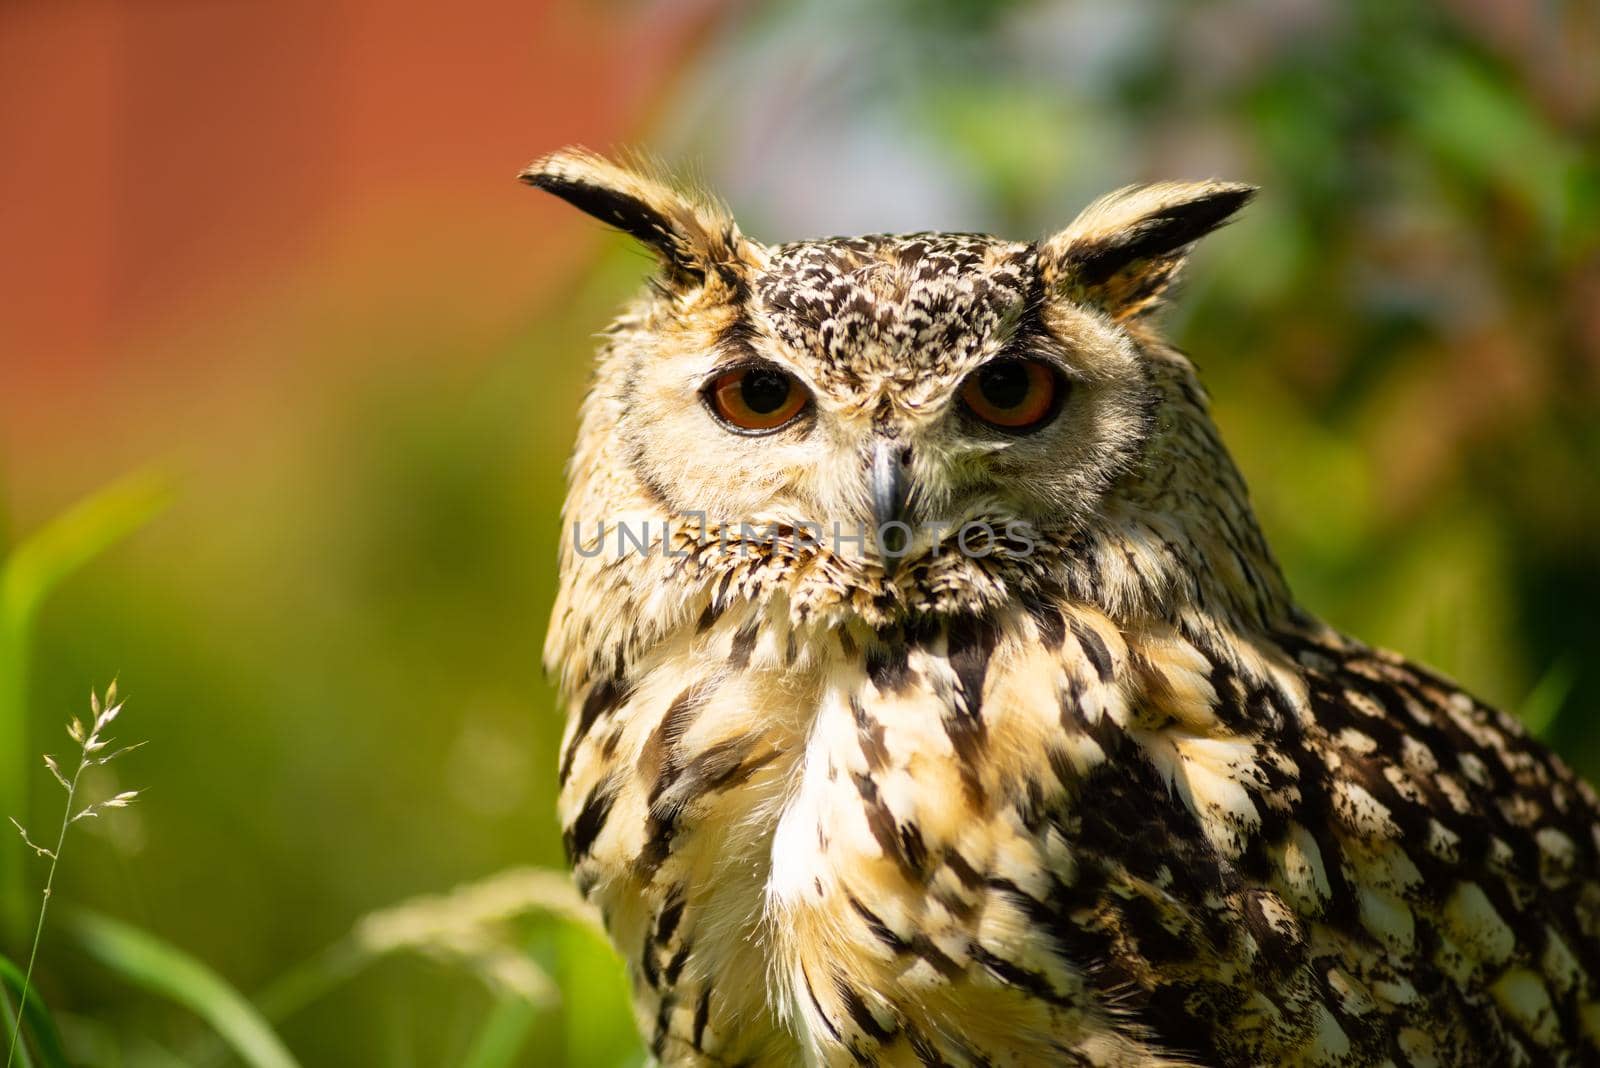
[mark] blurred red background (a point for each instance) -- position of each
(186, 182)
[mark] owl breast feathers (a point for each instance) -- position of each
(934, 698)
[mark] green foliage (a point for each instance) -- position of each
(40, 1040)
(504, 1037)
(1543, 708)
(162, 969)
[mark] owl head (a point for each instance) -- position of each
(909, 386)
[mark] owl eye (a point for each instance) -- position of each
(1014, 395)
(756, 399)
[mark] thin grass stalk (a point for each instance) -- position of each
(92, 751)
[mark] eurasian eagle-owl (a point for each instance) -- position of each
(934, 698)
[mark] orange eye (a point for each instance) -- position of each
(757, 398)
(1013, 394)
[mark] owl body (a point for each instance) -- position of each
(1068, 778)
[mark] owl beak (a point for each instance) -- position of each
(890, 490)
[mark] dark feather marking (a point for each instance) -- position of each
(1048, 618)
(913, 847)
(805, 980)
(1282, 952)
(667, 919)
(737, 337)
(907, 851)
(628, 213)
(1166, 1012)
(1094, 647)
(1316, 815)
(702, 1015)
(675, 964)
(961, 869)
(919, 945)
(744, 642)
(722, 766)
(663, 1022)
(921, 631)
(875, 925)
(1160, 234)
(658, 759)
(969, 643)
(856, 1006)
(1143, 919)
(579, 838)
(1014, 974)
(647, 480)
(660, 827)
(613, 739)
(602, 699)
(869, 734)
(927, 1053)
(647, 964)
(888, 665)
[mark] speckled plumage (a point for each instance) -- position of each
(1110, 798)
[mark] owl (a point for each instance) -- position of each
(934, 698)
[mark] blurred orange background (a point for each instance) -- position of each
(192, 187)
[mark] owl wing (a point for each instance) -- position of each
(1312, 852)
(1053, 841)
(1453, 905)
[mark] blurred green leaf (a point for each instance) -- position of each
(1543, 707)
(166, 971)
(1018, 163)
(472, 927)
(73, 539)
(40, 1037)
(1482, 128)
(311, 980)
(18, 1056)
(503, 1035)
(596, 1000)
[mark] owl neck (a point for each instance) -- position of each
(1137, 570)
(1183, 524)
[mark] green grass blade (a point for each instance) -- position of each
(40, 1026)
(68, 542)
(20, 1058)
(162, 969)
(311, 981)
(504, 1033)
(1549, 697)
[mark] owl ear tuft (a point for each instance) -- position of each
(1122, 251)
(697, 241)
